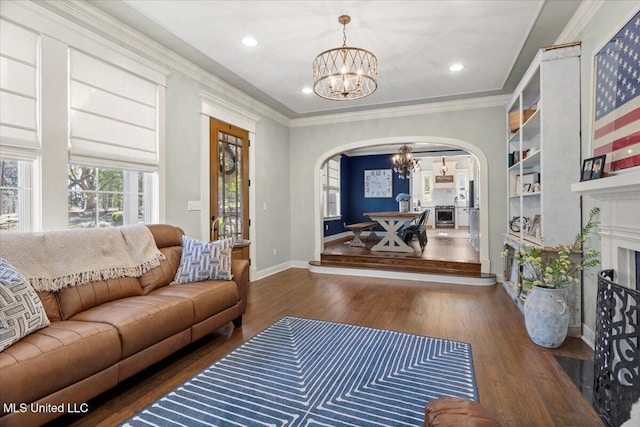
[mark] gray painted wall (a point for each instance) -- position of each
(484, 128)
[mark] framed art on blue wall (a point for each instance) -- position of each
(378, 183)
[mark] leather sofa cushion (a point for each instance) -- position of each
(54, 357)
(50, 304)
(142, 321)
(166, 235)
(74, 299)
(163, 274)
(209, 297)
(457, 412)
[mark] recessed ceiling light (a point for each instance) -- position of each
(249, 41)
(307, 90)
(456, 67)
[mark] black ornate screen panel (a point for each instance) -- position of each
(617, 357)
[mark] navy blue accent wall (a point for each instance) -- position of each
(357, 205)
(352, 201)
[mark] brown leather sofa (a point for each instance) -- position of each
(105, 331)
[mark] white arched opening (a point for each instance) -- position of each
(452, 142)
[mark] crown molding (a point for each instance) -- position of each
(578, 21)
(412, 110)
(121, 33)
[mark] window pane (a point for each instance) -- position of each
(111, 212)
(230, 207)
(81, 178)
(8, 173)
(82, 209)
(111, 180)
(9, 213)
(118, 200)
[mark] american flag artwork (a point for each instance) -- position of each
(616, 130)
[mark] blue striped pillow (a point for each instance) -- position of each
(202, 260)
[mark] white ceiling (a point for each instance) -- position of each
(415, 42)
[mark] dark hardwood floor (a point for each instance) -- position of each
(519, 382)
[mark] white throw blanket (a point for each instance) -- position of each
(53, 260)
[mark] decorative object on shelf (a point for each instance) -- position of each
(444, 169)
(403, 202)
(593, 167)
(534, 227)
(514, 119)
(615, 362)
(616, 96)
(345, 73)
(556, 268)
(518, 223)
(521, 182)
(536, 187)
(546, 316)
(378, 183)
(403, 163)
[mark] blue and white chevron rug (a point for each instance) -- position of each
(302, 372)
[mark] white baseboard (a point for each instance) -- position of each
(589, 336)
(271, 270)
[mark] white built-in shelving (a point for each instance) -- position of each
(544, 157)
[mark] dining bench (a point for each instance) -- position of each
(358, 228)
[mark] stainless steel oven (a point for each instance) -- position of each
(445, 216)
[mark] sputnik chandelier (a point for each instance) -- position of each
(403, 163)
(345, 73)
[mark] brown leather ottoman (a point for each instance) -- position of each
(457, 412)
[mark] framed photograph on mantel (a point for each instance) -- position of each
(378, 183)
(593, 168)
(616, 100)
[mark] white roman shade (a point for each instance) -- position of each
(19, 103)
(114, 115)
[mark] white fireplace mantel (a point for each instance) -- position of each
(622, 186)
(619, 197)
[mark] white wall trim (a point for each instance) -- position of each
(578, 21)
(270, 271)
(213, 107)
(412, 110)
(472, 149)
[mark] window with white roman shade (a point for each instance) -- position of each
(113, 114)
(19, 92)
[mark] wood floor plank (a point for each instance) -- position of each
(518, 381)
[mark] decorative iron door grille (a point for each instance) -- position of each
(617, 355)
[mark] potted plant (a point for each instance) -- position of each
(403, 201)
(550, 273)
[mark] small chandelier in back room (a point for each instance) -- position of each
(444, 169)
(345, 73)
(403, 163)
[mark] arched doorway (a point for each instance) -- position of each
(475, 151)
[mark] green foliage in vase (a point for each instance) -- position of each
(553, 267)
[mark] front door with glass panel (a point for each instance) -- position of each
(229, 203)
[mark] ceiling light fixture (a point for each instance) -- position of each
(307, 90)
(444, 169)
(403, 163)
(249, 41)
(456, 67)
(345, 73)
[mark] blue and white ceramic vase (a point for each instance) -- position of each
(546, 316)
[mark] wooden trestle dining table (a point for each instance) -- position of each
(392, 222)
